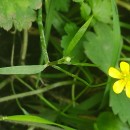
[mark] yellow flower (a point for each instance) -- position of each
(123, 76)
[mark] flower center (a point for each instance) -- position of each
(126, 77)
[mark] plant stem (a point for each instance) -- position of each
(72, 75)
(73, 93)
(35, 92)
(13, 48)
(44, 54)
(24, 46)
(17, 101)
(78, 96)
(123, 4)
(40, 96)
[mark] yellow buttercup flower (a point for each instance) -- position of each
(123, 76)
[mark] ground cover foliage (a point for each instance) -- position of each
(54, 61)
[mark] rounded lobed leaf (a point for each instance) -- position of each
(19, 13)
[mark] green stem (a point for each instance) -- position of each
(24, 46)
(17, 101)
(73, 93)
(123, 4)
(44, 54)
(72, 75)
(41, 97)
(79, 95)
(13, 48)
(35, 92)
(4, 82)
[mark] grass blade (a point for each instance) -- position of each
(35, 120)
(28, 69)
(77, 37)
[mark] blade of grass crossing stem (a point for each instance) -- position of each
(77, 36)
(36, 92)
(39, 95)
(21, 119)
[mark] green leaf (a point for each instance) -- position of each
(85, 10)
(101, 10)
(108, 121)
(120, 105)
(28, 69)
(25, 119)
(80, 123)
(98, 46)
(74, 41)
(78, 0)
(117, 34)
(19, 13)
(35, 4)
(62, 5)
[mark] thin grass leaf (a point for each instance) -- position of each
(21, 119)
(28, 69)
(77, 37)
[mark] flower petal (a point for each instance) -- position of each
(114, 73)
(125, 67)
(128, 89)
(119, 86)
